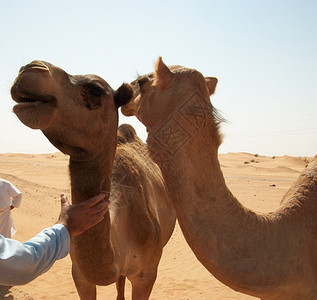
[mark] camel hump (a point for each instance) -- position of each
(126, 134)
(311, 170)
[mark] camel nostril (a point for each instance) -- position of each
(35, 64)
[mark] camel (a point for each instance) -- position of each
(79, 115)
(269, 256)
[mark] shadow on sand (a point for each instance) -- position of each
(11, 293)
(5, 292)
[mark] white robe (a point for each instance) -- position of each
(9, 195)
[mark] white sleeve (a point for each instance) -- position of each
(20, 263)
(16, 200)
(15, 194)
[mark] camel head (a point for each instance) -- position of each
(159, 94)
(78, 114)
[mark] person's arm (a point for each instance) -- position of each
(15, 195)
(22, 262)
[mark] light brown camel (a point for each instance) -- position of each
(79, 115)
(270, 256)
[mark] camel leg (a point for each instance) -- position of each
(85, 289)
(120, 284)
(142, 285)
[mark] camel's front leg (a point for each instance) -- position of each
(142, 285)
(85, 289)
(120, 284)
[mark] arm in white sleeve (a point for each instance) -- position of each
(20, 263)
(16, 200)
(15, 194)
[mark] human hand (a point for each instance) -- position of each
(78, 218)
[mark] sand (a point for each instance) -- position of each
(258, 182)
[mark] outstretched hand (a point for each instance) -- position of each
(78, 218)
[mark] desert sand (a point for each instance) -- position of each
(259, 182)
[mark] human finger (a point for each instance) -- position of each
(98, 207)
(101, 212)
(94, 200)
(64, 200)
(95, 220)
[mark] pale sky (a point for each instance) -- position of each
(264, 54)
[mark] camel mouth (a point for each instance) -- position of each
(34, 111)
(29, 100)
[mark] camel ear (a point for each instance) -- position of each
(211, 83)
(123, 95)
(163, 75)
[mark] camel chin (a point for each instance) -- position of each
(36, 115)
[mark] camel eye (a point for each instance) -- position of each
(142, 82)
(91, 94)
(93, 89)
(97, 90)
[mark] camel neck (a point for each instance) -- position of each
(89, 178)
(210, 217)
(93, 250)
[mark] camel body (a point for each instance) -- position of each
(270, 256)
(78, 114)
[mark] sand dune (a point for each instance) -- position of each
(259, 182)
